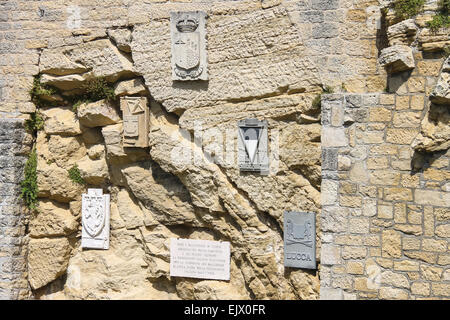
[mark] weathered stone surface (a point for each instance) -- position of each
(403, 32)
(441, 91)
(62, 121)
(433, 41)
(397, 58)
(100, 57)
(115, 152)
(97, 114)
(130, 87)
(435, 131)
(151, 47)
(47, 260)
(94, 172)
(121, 37)
(53, 219)
(130, 213)
(120, 272)
(160, 192)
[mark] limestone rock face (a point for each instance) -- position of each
(115, 152)
(435, 132)
(54, 183)
(118, 273)
(122, 38)
(182, 185)
(433, 41)
(61, 121)
(441, 91)
(53, 219)
(100, 57)
(97, 114)
(397, 58)
(402, 33)
(47, 260)
(94, 172)
(165, 196)
(241, 64)
(130, 87)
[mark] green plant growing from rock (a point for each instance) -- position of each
(405, 9)
(317, 102)
(29, 186)
(35, 123)
(94, 89)
(40, 90)
(75, 175)
(441, 19)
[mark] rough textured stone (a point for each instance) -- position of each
(403, 32)
(130, 87)
(97, 114)
(100, 57)
(53, 219)
(61, 121)
(47, 260)
(441, 91)
(122, 38)
(397, 58)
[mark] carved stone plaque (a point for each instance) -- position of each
(202, 259)
(189, 56)
(95, 220)
(135, 121)
(252, 145)
(300, 239)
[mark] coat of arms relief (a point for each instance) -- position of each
(135, 121)
(95, 220)
(188, 45)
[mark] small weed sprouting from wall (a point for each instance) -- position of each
(405, 9)
(317, 102)
(441, 19)
(35, 123)
(94, 89)
(75, 175)
(39, 90)
(29, 185)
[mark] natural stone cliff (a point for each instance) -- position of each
(269, 60)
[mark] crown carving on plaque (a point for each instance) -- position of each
(187, 25)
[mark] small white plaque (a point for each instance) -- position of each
(200, 259)
(95, 219)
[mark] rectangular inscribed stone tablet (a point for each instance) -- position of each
(300, 239)
(199, 259)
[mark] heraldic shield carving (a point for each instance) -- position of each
(95, 219)
(253, 146)
(188, 45)
(300, 239)
(135, 121)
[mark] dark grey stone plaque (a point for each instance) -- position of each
(300, 239)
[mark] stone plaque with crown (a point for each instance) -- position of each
(135, 121)
(189, 56)
(253, 146)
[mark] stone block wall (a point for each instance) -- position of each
(385, 208)
(13, 283)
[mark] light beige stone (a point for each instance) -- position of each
(97, 114)
(391, 244)
(53, 219)
(47, 260)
